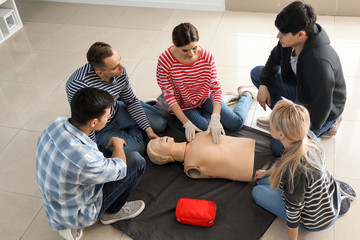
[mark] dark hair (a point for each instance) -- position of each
(89, 103)
(184, 33)
(97, 53)
(297, 16)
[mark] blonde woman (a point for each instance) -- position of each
(299, 189)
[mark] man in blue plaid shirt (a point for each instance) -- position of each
(78, 184)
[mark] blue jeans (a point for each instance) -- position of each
(271, 200)
(123, 126)
(116, 193)
(230, 119)
(278, 89)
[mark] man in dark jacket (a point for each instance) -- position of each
(303, 68)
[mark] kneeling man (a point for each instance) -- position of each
(77, 183)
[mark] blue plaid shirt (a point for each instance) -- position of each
(70, 172)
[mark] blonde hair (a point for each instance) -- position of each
(293, 121)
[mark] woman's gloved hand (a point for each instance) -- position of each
(216, 128)
(190, 129)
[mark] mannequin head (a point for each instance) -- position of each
(164, 149)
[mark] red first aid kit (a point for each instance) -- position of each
(195, 212)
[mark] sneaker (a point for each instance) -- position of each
(129, 210)
(230, 98)
(71, 234)
(151, 101)
(345, 205)
(251, 90)
(263, 122)
(333, 129)
(346, 190)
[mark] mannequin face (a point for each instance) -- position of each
(162, 145)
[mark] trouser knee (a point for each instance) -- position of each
(136, 162)
(255, 75)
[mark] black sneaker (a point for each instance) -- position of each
(345, 205)
(346, 190)
(151, 101)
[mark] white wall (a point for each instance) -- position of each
(215, 5)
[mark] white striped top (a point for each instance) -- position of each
(120, 89)
(315, 200)
(188, 85)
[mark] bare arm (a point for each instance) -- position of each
(179, 113)
(216, 107)
(150, 132)
(262, 173)
(293, 233)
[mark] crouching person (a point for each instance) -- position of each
(77, 183)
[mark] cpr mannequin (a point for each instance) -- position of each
(232, 159)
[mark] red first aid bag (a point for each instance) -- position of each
(195, 212)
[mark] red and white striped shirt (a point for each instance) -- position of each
(188, 85)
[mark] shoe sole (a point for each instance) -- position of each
(263, 126)
(137, 213)
(345, 204)
(352, 195)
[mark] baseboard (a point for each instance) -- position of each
(210, 5)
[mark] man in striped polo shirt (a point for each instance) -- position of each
(129, 116)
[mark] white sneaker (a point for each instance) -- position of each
(263, 122)
(251, 90)
(230, 98)
(71, 234)
(129, 210)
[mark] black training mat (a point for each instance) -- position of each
(237, 215)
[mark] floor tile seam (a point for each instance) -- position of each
(46, 39)
(80, 7)
(6, 145)
(161, 29)
(32, 221)
(21, 194)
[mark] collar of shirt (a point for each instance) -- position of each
(79, 134)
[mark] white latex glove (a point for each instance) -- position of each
(190, 129)
(215, 127)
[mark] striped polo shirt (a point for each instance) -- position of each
(119, 88)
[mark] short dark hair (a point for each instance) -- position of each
(184, 33)
(97, 53)
(89, 103)
(295, 17)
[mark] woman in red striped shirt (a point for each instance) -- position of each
(187, 76)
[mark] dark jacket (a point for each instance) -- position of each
(319, 77)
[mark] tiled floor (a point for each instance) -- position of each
(36, 62)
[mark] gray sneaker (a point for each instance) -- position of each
(71, 234)
(129, 210)
(345, 205)
(346, 190)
